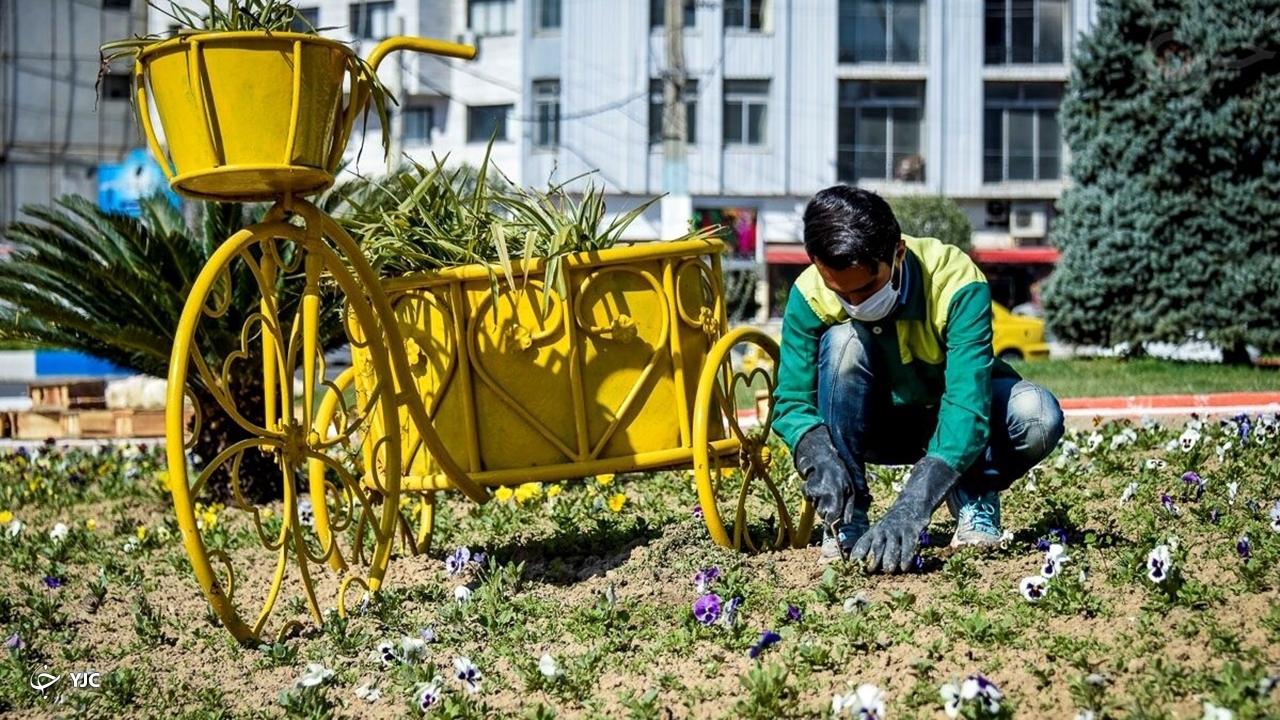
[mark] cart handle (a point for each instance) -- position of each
(418, 44)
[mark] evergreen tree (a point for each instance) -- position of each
(1170, 231)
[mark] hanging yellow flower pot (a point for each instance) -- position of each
(249, 115)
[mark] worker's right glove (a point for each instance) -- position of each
(827, 483)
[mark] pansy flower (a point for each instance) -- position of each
(368, 693)
(1054, 557)
(866, 702)
(704, 577)
(794, 614)
(1155, 464)
(697, 512)
(1033, 588)
(983, 692)
(1127, 495)
(1193, 478)
(462, 594)
(386, 653)
(52, 582)
(466, 672)
(1124, 437)
(767, 639)
(1233, 488)
(1274, 513)
(1159, 564)
(730, 614)
(1188, 439)
(706, 609)
(315, 675)
(616, 501)
(457, 562)
(547, 666)
(412, 648)
(428, 696)
(14, 643)
(1244, 548)
(59, 532)
(1168, 504)
(1214, 712)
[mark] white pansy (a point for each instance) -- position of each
(315, 675)
(462, 594)
(59, 532)
(547, 666)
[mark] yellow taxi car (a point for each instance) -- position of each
(1017, 337)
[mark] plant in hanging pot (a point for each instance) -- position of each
(250, 108)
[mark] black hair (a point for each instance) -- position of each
(845, 226)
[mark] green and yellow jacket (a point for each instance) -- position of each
(937, 345)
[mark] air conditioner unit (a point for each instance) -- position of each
(1028, 220)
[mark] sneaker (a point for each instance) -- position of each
(977, 517)
(834, 548)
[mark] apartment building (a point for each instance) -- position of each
(54, 130)
(783, 97)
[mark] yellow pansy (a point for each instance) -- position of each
(404, 501)
(527, 492)
(142, 532)
(503, 494)
(162, 477)
(208, 519)
(554, 490)
(617, 501)
(266, 513)
(605, 479)
(91, 525)
(6, 517)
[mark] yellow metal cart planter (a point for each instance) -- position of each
(452, 387)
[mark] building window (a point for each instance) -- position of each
(1021, 136)
(487, 121)
(690, 97)
(546, 114)
(547, 14)
(879, 132)
(372, 20)
(1025, 31)
(881, 31)
(744, 15)
(117, 87)
(117, 4)
(658, 13)
(418, 122)
(305, 20)
(746, 117)
(491, 17)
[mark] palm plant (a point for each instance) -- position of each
(113, 286)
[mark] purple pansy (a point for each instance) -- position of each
(706, 609)
(1244, 547)
(794, 614)
(703, 579)
(1168, 503)
(768, 638)
(52, 582)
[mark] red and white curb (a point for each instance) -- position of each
(1230, 403)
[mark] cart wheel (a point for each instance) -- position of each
(739, 478)
(295, 476)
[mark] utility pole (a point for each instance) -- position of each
(676, 205)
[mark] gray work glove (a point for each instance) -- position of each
(827, 483)
(891, 544)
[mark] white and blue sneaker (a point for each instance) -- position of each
(977, 518)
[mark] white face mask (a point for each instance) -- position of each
(878, 306)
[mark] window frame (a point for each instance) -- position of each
(847, 13)
(745, 100)
(503, 123)
(657, 104)
(545, 94)
(310, 15)
(917, 101)
(411, 113)
(360, 16)
(540, 15)
(658, 14)
(1036, 107)
(506, 13)
(1007, 41)
(117, 4)
(117, 86)
(751, 10)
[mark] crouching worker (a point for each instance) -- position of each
(886, 358)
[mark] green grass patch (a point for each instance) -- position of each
(1105, 377)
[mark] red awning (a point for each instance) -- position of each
(1016, 256)
(785, 254)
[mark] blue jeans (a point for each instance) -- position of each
(856, 403)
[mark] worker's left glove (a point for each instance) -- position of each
(891, 544)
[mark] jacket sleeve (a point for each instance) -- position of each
(795, 410)
(964, 415)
